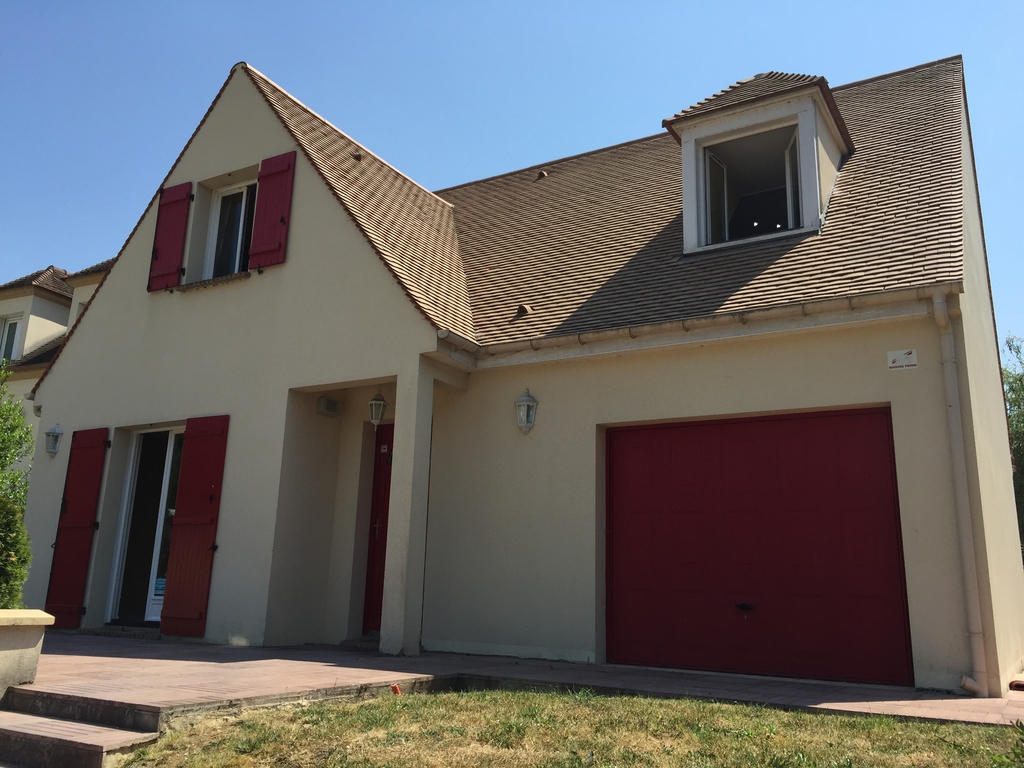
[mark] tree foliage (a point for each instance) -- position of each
(16, 443)
(1013, 387)
(15, 553)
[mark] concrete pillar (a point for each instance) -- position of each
(407, 515)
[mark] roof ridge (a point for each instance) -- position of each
(853, 83)
(552, 162)
(318, 116)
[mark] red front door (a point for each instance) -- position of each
(378, 528)
(763, 546)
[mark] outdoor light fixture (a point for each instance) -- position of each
(377, 407)
(53, 439)
(526, 412)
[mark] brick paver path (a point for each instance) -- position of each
(170, 675)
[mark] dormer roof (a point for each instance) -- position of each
(50, 279)
(762, 87)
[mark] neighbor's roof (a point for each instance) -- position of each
(51, 278)
(95, 269)
(40, 355)
(411, 228)
(596, 243)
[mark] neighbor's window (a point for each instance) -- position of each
(8, 336)
(230, 231)
(752, 186)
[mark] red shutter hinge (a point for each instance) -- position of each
(154, 254)
(96, 525)
(83, 610)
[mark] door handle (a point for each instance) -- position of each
(745, 607)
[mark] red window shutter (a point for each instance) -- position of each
(65, 596)
(273, 211)
(169, 243)
(194, 531)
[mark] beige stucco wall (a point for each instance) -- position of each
(987, 445)
(331, 314)
(47, 321)
(514, 563)
(81, 296)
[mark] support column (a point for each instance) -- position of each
(407, 516)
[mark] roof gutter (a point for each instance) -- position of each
(704, 322)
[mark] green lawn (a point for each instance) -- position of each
(497, 728)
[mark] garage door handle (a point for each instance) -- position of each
(745, 607)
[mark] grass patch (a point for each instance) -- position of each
(550, 730)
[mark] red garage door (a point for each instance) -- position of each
(766, 546)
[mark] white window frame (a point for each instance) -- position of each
(707, 157)
(153, 606)
(695, 136)
(214, 225)
(17, 334)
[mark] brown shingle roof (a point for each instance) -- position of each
(95, 269)
(411, 228)
(757, 87)
(51, 278)
(596, 243)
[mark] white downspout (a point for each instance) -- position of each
(978, 684)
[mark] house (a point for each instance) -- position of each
(35, 311)
(726, 397)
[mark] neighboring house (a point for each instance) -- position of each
(35, 311)
(777, 452)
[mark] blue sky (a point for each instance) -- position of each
(98, 98)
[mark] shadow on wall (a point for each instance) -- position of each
(657, 284)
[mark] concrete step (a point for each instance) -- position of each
(85, 709)
(39, 742)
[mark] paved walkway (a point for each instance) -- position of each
(172, 676)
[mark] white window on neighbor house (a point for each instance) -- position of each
(9, 337)
(752, 186)
(230, 231)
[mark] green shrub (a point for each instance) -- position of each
(15, 554)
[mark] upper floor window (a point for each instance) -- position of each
(230, 231)
(9, 337)
(231, 223)
(752, 186)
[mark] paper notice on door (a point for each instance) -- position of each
(902, 359)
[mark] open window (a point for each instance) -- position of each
(752, 186)
(230, 231)
(9, 337)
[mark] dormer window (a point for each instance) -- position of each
(759, 160)
(9, 338)
(752, 186)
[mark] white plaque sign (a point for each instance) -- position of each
(902, 359)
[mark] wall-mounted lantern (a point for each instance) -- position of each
(526, 412)
(377, 407)
(53, 435)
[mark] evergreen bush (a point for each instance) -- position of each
(15, 554)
